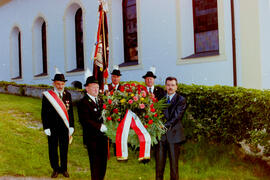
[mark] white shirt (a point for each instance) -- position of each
(57, 92)
(171, 96)
(152, 89)
(92, 97)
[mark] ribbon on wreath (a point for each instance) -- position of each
(131, 120)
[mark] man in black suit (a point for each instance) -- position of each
(58, 123)
(170, 142)
(115, 77)
(149, 79)
(89, 111)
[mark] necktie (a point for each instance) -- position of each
(60, 96)
(168, 100)
(150, 90)
(97, 103)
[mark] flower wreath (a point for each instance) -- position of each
(134, 97)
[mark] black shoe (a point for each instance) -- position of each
(65, 174)
(54, 174)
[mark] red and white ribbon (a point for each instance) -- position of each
(58, 104)
(133, 121)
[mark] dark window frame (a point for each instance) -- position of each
(127, 58)
(79, 41)
(200, 29)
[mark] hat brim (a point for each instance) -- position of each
(86, 84)
(59, 80)
(149, 76)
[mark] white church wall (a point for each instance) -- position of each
(159, 26)
(264, 6)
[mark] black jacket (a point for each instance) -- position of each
(50, 117)
(90, 118)
(174, 114)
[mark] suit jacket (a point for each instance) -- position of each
(158, 92)
(50, 117)
(174, 114)
(90, 118)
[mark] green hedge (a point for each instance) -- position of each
(222, 113)
(227, 114)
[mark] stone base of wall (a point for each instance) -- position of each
(25, 90)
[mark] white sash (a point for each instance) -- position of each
(58, 105)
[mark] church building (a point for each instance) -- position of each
(205, 42)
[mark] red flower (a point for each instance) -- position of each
(150, 121)
(109, 118)
(111, 93)
(127, 85)
(110, 101)
(145, 126)
(130, 101)
(152, 110)
(119, 119)
(143, 94)
(146, 116)
(115, 110)
(122, 88)
(152, 105)
(104, 106)
(156, 115)
(135, 98)
(133, 84)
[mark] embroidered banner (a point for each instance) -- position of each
(58, 104)
(131, 120)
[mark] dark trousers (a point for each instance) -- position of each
(61, 140)
(162, 148)
(98, 153)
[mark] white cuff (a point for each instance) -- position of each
(103, 128)
(71, 130)
(47, 132)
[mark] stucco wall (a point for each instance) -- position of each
(158, 37)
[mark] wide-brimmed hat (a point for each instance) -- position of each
(59, 77)
(90, 79)
(116, 72)
(149, 74)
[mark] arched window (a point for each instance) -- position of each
(79, 39)
(205, 17)
(16, 54)
(74, 46)
(40, 48)
(130, 31)
(44, 48)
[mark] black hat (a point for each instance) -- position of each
(90, 79)
(149, 74)
(59, 77)
(116, 72)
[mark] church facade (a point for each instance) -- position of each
(204, 42)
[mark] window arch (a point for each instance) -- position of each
(16, 54)
(130, 31)
(40, 47)
(74, 45)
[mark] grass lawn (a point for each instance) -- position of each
(24, 152)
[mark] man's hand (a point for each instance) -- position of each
(103, 128)
(47, 132)
(71, 131)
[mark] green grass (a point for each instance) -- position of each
(23, 152)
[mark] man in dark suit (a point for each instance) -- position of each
(170, 141)
(115, 85)
(149, 79)
(89, 111)
(57, 127)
